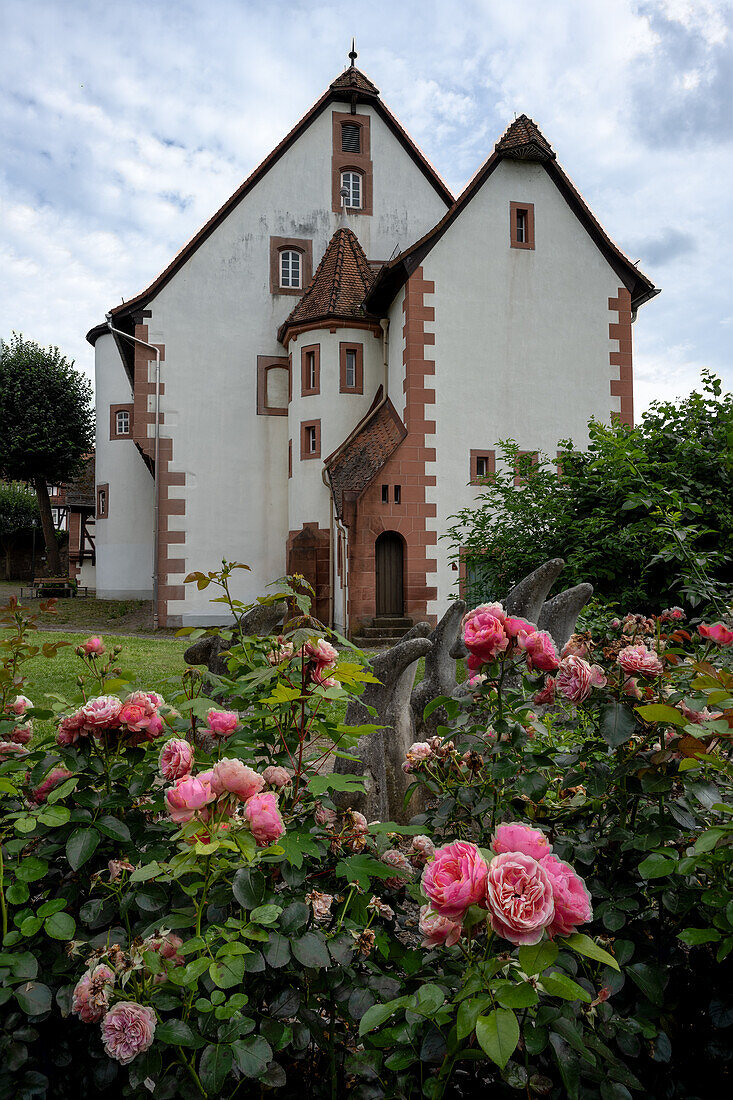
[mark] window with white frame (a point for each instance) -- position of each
(351, 181)
(310, 440)
(122, 422)
(351, 368)
(310, 369)
(290, 269)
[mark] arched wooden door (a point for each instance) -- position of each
(388, 553)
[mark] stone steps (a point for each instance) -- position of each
(382, 632)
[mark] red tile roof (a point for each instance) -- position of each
(523, 139)
(352, 467)
(338, 287)
(354, 78)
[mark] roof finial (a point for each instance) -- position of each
(353, 54)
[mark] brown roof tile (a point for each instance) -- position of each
(524, 139)
(80, 492)
(339, 285)
(354, 78)
(354, 465)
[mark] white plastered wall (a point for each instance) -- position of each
(217, 315)
(124, 541)
(522, 343)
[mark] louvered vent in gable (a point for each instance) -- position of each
(350, 138)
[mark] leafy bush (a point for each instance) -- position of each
(644, 514)
(188, 912)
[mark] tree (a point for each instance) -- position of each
(645, 514)
(47, 424)
(18, 512)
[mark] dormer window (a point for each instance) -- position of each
(290, 269)
(350, 137)
(122, 422)
(351, 182)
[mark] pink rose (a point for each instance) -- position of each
(574, 678)
(71, 728)
(672, 615)
(455, 879)
(153, 727)
(597, 676)
(637, 658)
(55, 778)
(22, 734)
(540, 650)
(547, 694)
(484, 635)
(233, 777)
(494, 609)
(319, 676)
(188, 795)
(421, 851)
(11, 748)
(276, 776)
(572, 899)
(102, 712)
(437, 930)
(515, 836)
(176, 759)
(324, 815)
(393, 857)
(514, 627)
(132, 716)
(264, 819)
(128, 1029)
(520, 898)
(91, 994)
(282, 651)
(150, 700)
(322, 652)
(93, 646)
(20, 704)
(718, 633)
(167, 947)
(222, 723)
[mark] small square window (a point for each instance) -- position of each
(310, 439)
(483, 465)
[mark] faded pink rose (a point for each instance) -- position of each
(91, 994)
(520, 898)
(20, 704)
(597, 676)
(484, 635)
(93, 647)
(358, 822)
(417, 753)
(176, 759)
(117, 866)
(421, 851)
(55, 778)
(187, 796)
(572, 899)
(574, 678)
(128, 1029)
(547, 694)
(320, 676)
(12, 748)
(393, 857)
(322, 652)
(455, 879)
(437, 930)
(672, 615)
(638, 658)
(631, 688)
(22, 734)
(263, 815)
(222, 723)
(167, 947)
(275, 776)
(515, 836)
(233, 777)
(102, 712)
(576, 646)
(282, 651)
(540, 650)
(325, 815)
(71, 728)
(148, 699)
(718, 633)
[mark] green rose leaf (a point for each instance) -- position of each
(60, 926)
(560, 985)
(249, 888)
(227, 972)
(277, 950)
(34, 998)
(584, 945)
(376, 1015)
(617, 724)
(649, 981)
(535, 959)
(113, 828)
(31, 869)
(81, 845)
(54, 816)
(30, 925)
(61, 791)
(310, 950)
(658, 712)
(17, 893)
(216, 1062)
(693, 936)
(178, 1034)
(498, 1035)
(252, 1055)
(265, 914)
(468, 1013)
(516, 996)
(657, 866)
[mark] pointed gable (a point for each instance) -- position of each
(338, 288)
(524, 141)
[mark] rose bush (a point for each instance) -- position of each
(187, 911)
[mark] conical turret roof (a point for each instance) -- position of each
(524, 140)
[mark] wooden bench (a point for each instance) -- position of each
(53, 586)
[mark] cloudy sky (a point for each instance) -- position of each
(125, 125)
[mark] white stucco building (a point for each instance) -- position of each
(341, 348)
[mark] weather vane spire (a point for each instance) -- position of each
(353, 54)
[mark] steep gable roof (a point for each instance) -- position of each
(339, 286)
(522, 140)
(352, 467)
(351, 86)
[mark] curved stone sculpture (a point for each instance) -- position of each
(526, 598)
(560, 614)
(440, 671)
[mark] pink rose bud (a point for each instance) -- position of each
(574, 679)
(639, 659)
(540, 650)
(176, 759)
(514, 836)
(20, 704)
(572, 899)
(188, 795)
(455, 879)
(263, 815)
(520, 898)
(93, 647)
(276, 776)
(718, 633)
(233, 777)
(437, 930)
(222, 723)
(128, 1029)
